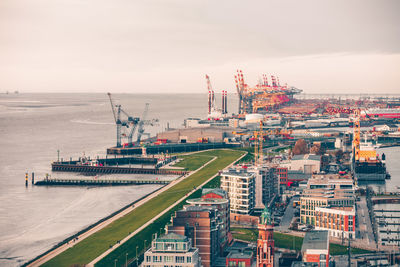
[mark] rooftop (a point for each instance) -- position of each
(237, 172)
(198, 208)
(315, 240)
(304, 264)
(217, 191)
(172, 237)
(307, 157)
(207, 201)
(245, 254)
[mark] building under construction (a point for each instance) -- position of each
(263, 97)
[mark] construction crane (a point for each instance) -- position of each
(131, 122)
(117, 110)
(239, 80)
(356, 135)
(211, 97)
(142, 123)
(258, 145)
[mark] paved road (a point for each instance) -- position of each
(287, 217)
(364, 228)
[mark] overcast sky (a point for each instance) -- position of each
(338, 46)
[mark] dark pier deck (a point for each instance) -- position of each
(113, 161)
(169, 148)
(387, 211)
(385, 199)
(92, 182)
(88, 169)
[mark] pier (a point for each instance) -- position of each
(386, 199)
(387, 217)
(87, 182)
(169, 148)
(112, 170)
(387, 211)
(112, 161)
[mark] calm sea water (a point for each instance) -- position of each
(32, 128)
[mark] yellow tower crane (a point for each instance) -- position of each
(356, 134)
(258, 145)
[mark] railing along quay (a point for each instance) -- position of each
(98, 182)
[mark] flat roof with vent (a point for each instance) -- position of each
(315, 240)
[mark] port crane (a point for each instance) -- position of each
(131, 122)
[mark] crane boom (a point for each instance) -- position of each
(112, 106)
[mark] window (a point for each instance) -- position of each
(157, 258)
(168, 258)
(241, 264)
(188, 259)
(148, 258)
(231, 263)
(179, 259)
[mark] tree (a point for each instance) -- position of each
(300, 147)
(316, 149)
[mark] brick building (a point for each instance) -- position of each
(218, 199)
(265, 241)
(239, 259)
(201, 225)
(315, 248)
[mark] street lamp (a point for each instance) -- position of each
(126, 259)
(144, 247)
(136, 256)
(115, 262)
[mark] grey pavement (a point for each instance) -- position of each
(364, 228)
(286, 218)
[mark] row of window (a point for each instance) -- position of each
(178, 259)
(169, 246)
(238, 264)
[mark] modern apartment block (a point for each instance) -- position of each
(171, 250)
(201, 225)
(325, 191)
(240, 187)
(339, 221)
(271, 183)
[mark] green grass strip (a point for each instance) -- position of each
(91, 247)
(126, 253)
(288, 241)
(192, 162)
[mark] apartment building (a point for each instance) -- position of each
(239, 184)
(171, 250)
(325, 191)
(339, 221)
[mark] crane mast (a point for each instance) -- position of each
(142, 122)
